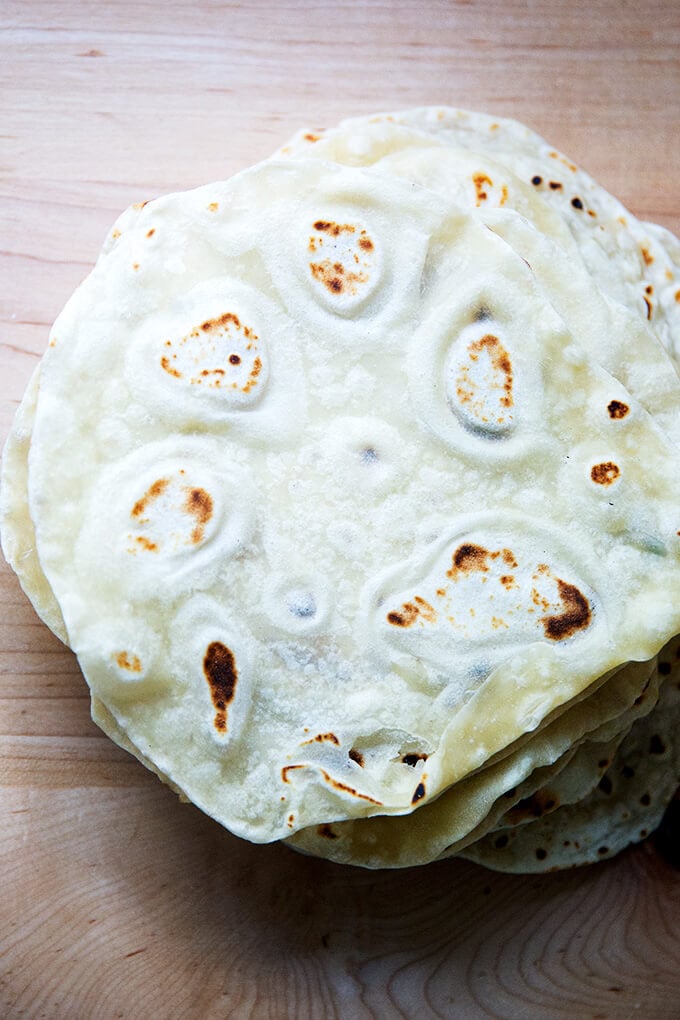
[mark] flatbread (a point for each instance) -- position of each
(333, 482)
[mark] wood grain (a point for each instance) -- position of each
(117, 901)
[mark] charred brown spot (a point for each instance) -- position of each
(366, 243)
(327, 832)
(152, 493)
(129, 662)
(617, 409)
(468, 559)
(165, 363)
(234, 359)
(334, 229)
(500, 842)
(289, 768)
(656, 745)
(480, 180)
(348, 789)
(500, 364)
(605, 474)
(219, 668)
(555, 185)
(627, 772)
(151, 232)
(135, 266)
(646, 255)
(577, 203)
(507, 580)
(322, 738)
(356, 756)
(603, 851)
(228, 318)
(649, 306)
(405, 618)
(337, 282)
(541, 854)
(145, 543)
(645, 800)
(418, 793)
(309, 137)
(536, 180)
(199, 504)
(576, 616)
(413, 758)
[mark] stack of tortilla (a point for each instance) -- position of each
(353, 482)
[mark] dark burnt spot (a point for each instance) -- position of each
(606, 785)
(664, 668)
(234, 359)
(219, 668)
(322, 738)
(577, 203)
(334, 229)
(656, 745)
(646, 255)
(603, 851)
(227, 319)
(405, 618)
(603, 763)
(627, 772)
(500, 842)
(200, 505)
(366, 243)
(327, 832)
(413, 758)
(645, 800)
(536, 180)
(649, 306)
(151, 232)
(643, 833)
(152, 493)
(418, 794)
(309, 137)
(555, 185)
(541, 854)
(576, 616)
(606, 473)
(356, 756)
(348, 789)
(617, 409)
(469, 558)
(409, 613)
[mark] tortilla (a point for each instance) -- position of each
(353, 489)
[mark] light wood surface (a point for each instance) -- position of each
(117, 901)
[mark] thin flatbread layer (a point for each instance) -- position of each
(633, 261)
(626, 806)
(152, 504)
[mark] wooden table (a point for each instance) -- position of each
(116, 900)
